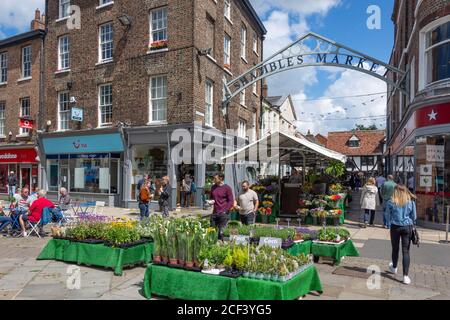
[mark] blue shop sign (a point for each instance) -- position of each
(101, 143)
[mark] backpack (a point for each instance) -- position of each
(144, 195)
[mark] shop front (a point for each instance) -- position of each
(89, 166)
(24, 164)
(421, 161)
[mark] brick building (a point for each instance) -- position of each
(21, 98)
(138, 71)
(421, 120)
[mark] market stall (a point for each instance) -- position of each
(100, 241)
(306, 159)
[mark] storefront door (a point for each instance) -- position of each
(25, 176)
(64, 176)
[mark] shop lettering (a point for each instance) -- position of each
(8, 156)
(314, 59)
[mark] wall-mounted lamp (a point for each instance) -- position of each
(125, 21)
(205, 52)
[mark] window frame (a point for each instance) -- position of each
(227, 51)
(101, 43)
(26, 64)
(60, 127)
(101, 106)
(61, 13)
(3, 67)
(209, 105)
(255, 43)
(152, 99)
(243, 98)
(163, 29)
(244, 42)
(227, 9)
(242, 129)
(24, 131)
(424, 67)
(66, 53)
(2, 118)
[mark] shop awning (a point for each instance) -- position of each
(285, 148)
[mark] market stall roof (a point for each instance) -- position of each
(286, 148)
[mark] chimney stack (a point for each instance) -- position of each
(38, 21)
(265, 89)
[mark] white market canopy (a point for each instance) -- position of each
(281, 147)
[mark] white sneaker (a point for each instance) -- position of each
(24, 234)
(406, 280)
(392, 269)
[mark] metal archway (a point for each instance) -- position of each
(315, 50)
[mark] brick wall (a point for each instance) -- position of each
(14, 90)
(133, 66)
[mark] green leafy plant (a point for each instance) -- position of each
(336, 169)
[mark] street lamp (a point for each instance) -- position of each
(125, 21)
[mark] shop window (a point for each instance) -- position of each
(4, 178)
(52, 174)
(89, 173)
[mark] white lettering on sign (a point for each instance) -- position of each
(270, 242)
(435, 153)
(238, 239)
(8, 156)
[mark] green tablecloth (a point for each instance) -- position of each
(96, 254)
(181, 284)
(299, 248)
(346, 249)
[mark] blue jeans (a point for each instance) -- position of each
(144, 211)
(386, 221)
(369, 216)
(4, 222)
(11, 190)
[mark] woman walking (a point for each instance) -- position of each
(401, 211)
(369, 201)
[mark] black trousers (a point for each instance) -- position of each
(403, 234)
(219, 221)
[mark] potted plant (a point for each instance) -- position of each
(189, 241)
(172, 244)
(283, 272)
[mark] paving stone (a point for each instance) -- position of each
(8, 294)
(43, 291)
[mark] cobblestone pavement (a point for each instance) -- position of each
(23, 277)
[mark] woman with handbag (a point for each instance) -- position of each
(401, 211)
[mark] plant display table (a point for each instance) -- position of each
(96, 254)
(181, 284)
(335, 251)
(299, 248)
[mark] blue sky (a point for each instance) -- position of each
(341, 20)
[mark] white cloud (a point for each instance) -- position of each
(301, 7)
(17, 15)
(349, 83)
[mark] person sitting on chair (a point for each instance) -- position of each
(35, 212)
(4, 220)
(64, 199)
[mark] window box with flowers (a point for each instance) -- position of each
(158, 45)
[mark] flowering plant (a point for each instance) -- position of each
(335, 212)
(336, 188)
(158, 45)
(335, 197)
(302, 212)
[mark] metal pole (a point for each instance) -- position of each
(446, 227)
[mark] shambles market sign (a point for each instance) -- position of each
(315, 50)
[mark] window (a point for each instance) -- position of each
(3, 67)
(227, 51)
(210, 35)
(255, 43)
(438, 53)
(106, 42)
(63, 111)
(24, 112)
(105, 105)
(64, 8)
(242, 129)
(367, 161)
(158, 99)
(63, 53)
(243, 42)
(254, 126)
(158, 25)
(353, 142)
(209, 102)
(2, 117)
(255, 84)
(227, 9)
(242, 97)
(26, 62)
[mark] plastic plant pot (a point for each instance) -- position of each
(274, 277)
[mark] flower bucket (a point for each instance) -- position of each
(189, 264)
(267, 276)
(259, 276)
(246, 274)
(274, 277)
(157, 259)
(282, 279)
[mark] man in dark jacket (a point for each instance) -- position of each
(223, 200)
(164, 196)
(12, 183)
